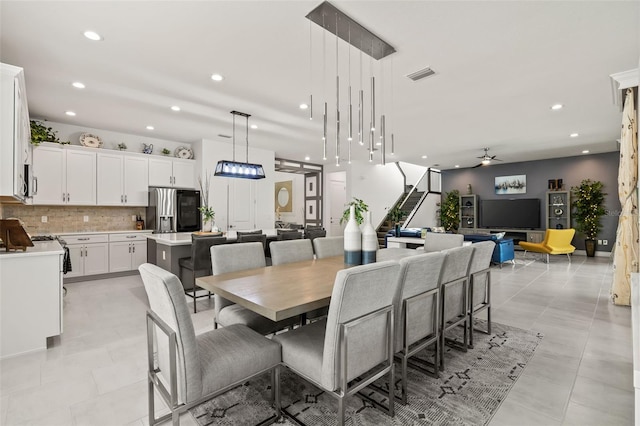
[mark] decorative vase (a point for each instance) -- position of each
(590, 247)
(397, 229)
(352, 240)
(207, 225)
(469, 190)
(369, 241)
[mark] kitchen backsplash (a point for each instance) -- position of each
(61, 219)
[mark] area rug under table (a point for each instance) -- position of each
(468, 392)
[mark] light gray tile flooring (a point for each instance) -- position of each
(581, 373)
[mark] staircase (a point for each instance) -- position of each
(408, 203)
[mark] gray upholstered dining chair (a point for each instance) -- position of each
(197, 265)
(284, 235)
(252, 238)
(454, 296)
(328, 246)
(480, 284)
(239, 257)
(416, 312)
(186, 369)
(356, 340)
(283, 252)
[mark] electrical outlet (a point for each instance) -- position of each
(605, 242)
(599, 242)
(133, 218)
(44, 219)
(164, 255)
(86, 218)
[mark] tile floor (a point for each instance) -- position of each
(581, 373)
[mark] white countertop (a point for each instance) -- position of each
(133, 231)
(184, 238)
(40, 248)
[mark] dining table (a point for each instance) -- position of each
(286, 290)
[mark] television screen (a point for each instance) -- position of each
(522, 213)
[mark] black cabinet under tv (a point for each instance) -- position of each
(517, 235)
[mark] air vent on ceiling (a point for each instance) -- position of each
(420, 74)
(224, 136)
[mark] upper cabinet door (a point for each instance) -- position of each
(49, 172)
(160, 172)
(183, 174)
(136, 181)
(81, 178)
(110, 180)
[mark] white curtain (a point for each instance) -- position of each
(626, 250)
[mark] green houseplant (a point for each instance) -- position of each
(395, 215)
(449, 211)
(588, 204)
(359, 208)
(42, 133)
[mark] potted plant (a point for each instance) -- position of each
(450, 211)
(42, 133)
(359, 208)
(165, 151)
(588, 204)
(122, 146)
(395, 215)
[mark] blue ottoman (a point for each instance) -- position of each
(503, 252)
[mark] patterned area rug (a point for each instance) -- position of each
(468, 392)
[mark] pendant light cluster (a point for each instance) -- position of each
(236, 169)
(335, 22)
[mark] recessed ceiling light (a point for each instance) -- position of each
(457, 166)
(70, 113)
(586, 151)
(307, 158)
(92, 35)
(424, 156)
(253, 126)
(149, 127)
(78, 85)
(175, 108)
(573, 135)
(217, 77)
(556, 106)
(304, 106)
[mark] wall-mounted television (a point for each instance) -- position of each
(520, 213)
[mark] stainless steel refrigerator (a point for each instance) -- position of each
(173, 210)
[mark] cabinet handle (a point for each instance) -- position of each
(68, 197)
(129, 248)
(121, 198)
(35, 186)
(84, 239)
(64, 197)
(130, 236)
(125, 198)
(134, 248)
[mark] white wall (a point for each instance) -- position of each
(297, 213)
(110, 139)
(413, 172)
(209, 153)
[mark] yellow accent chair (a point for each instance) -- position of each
(556, 241)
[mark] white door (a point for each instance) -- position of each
(81, 178)
(184, 174)
(337, 200)
(160, 172)
(241, 204)
(120, 256)
(139, 254)
(48, 169)
(96, 259)
(110, 177)
(77, 261)
(136, 181)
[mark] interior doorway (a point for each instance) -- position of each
(337, 188)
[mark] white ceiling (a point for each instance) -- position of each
(500, 66)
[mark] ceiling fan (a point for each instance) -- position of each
(486, 159)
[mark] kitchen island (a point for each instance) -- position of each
(30, 298)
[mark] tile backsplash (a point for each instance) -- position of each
(61, 219)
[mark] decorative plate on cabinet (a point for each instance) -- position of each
(90, 141)
(183, 152)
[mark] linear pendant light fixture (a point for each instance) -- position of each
(235, 169)
(334, 21)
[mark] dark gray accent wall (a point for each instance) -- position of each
(572, 170)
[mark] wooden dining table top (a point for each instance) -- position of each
(285, 291)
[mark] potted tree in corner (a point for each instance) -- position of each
(450, 211)
(588, 204)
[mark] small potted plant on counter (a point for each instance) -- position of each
(122, 146)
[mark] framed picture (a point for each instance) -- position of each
(516, 184)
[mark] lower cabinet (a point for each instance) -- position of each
(89, 254)
(127, 251)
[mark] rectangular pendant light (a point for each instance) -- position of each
(237, 169)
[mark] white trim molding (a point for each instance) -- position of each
(623, 80)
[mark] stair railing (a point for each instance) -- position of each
(434, 186)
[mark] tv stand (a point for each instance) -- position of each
(517, 235)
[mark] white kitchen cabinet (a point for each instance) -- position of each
(127, 251)
(64, 175)
(89, 254)
(122, 180)
(15, 133)
(30, 298)
(175, 173)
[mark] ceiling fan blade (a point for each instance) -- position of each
(493, 157)
(496, 159)
(478, 165)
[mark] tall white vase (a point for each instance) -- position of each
(352, 240)
(369, 241)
